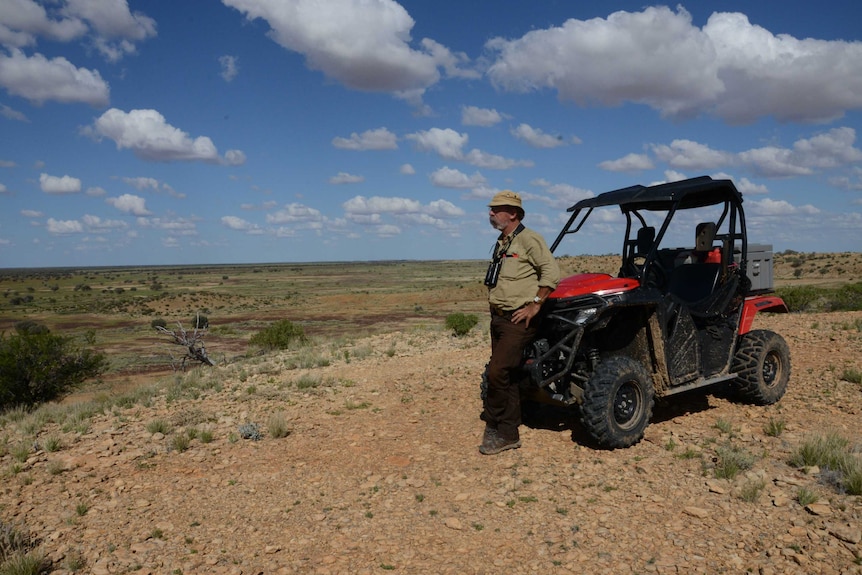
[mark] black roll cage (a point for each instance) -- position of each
(670, 197)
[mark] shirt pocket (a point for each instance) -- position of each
(509, 270)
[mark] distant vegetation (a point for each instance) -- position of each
(125, 306)
(817, 265)
(280, 335)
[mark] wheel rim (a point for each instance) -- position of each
(628, 404)
(771, 369)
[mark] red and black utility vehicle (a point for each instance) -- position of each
(673, 319)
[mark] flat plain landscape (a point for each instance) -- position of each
(357, 453)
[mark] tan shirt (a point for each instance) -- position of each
(528, 265)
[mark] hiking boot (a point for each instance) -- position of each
(490, 433)
(494, 443)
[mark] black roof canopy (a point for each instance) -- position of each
(692, 193)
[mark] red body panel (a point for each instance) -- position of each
(754, 304)
(599, 284)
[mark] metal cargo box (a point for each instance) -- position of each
(759, 268)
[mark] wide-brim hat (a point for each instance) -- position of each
(506, 198)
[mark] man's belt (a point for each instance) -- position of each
(507, 313)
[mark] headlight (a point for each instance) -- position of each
(586, 315)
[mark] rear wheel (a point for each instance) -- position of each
(762, 366)
(618, 402)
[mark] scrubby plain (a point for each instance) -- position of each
(356, 452)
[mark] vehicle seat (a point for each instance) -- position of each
(694, 282)
(701, 288)
(639, 248)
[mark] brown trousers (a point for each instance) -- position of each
(502, 405)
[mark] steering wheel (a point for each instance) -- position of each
(656, 276)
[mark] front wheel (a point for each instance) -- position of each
(618, 402)
(762, 366)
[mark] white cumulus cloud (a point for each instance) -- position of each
(448, 144)
(345, 178)
(97, 224)
(536, 137)
(39, 80)
(239, 224)
(106, 25)
(447, 177)
(129, 204)
(377, 139)
(445, 142)
(59, 185)
(686, 154)
(229, 67)
(142, 183)
(64, 227)
(364, 44)
(730, 68)
(475, 116)
(294, 214)
(444, 209)
(372, 212)
(628, 163)
(150, 137)
(378, 204)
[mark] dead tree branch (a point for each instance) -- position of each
(192, 342)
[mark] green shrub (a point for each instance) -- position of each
(200, 321)
(52, 443)
(17, 554)
(460, 323)
(806, 496)
(751, 490)
(277, 426)
(731, 460)
(801, 298)
(37, 366)
(823, 451)
(158, 322)
(852, 478)
(25, 564)
(12, 540)
(833, 454)
(159, 426)
(280, 335)
(848, 297)
(774, 427)
(180, 443)
(29, 327)
(852, 375)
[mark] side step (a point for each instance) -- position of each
(699, 383)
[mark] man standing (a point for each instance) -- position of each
(522, 273)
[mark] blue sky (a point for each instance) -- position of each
(143, 133)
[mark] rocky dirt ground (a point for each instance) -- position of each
(381, 473)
